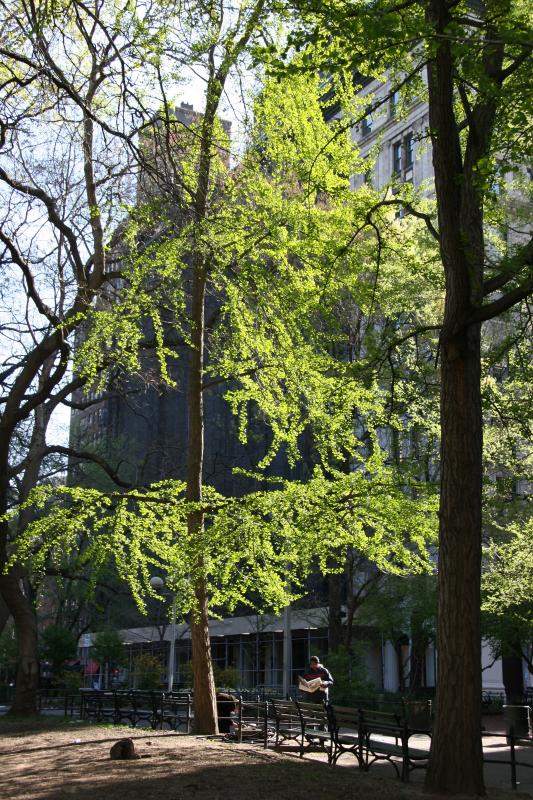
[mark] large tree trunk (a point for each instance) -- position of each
(205, 717)
(19, 599)
(456, 763)
(27, 680)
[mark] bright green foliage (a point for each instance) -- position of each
(283, 265)
(508, 576)
(283, 260)
(262, 545)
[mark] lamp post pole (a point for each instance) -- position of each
(171, 655)
(287, 650)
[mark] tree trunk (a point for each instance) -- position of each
(205, 717)
(456, 763)
(513, 676)
(335, 585)
(27, 680)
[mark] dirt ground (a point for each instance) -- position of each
(52, 760)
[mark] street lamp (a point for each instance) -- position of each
(158, 584)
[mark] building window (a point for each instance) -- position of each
(397, 158)
(403, 156)
(366, 127)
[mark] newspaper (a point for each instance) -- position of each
(309, 686)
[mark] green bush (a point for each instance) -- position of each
(71, 681)
(147, 672)
(350, 676)
(108, 648)
(229, 678)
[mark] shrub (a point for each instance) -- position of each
(229, 678)
(147, 672)
(350, 676)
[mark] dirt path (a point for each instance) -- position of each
(72, 761)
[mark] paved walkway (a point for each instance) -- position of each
(494, 747)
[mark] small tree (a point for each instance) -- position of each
(109, 650)
(147, 671)
(507, 590)
(58, 644)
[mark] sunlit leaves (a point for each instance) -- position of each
(257, 549)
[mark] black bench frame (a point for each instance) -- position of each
(305, 723)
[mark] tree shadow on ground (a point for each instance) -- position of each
(207, 771)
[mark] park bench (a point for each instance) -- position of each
(252, 722)
(118, 707)
(315, 733)
(343, 723)
(305, 723)
(385, 736)
(97, 704)
(286, 719)
(59, 699)
(173, 709)
(144, 707)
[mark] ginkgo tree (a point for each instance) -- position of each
(274, 239)
(270, 242)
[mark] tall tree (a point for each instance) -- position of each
(271, 259)
(68, 138)
(477, 67)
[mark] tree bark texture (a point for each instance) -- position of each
(205, 717)
(456, 761)
(27, 680)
